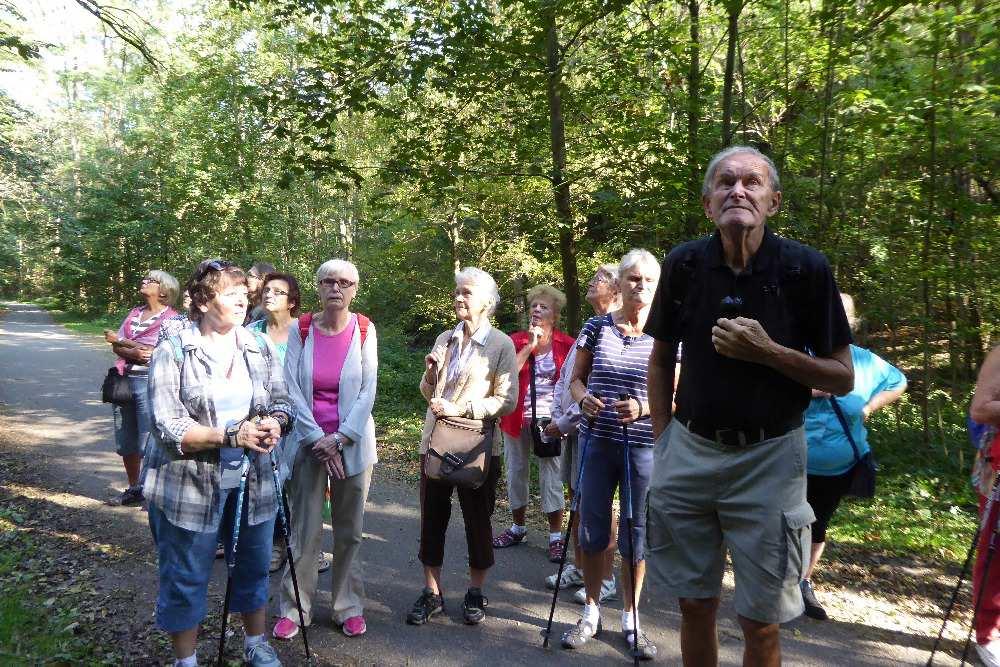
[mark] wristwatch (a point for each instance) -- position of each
(231, 431)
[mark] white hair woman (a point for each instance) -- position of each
(612, 359)
(331, 367)
(133, 343)
(541, 352)
(469, 373)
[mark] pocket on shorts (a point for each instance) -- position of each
(798, 540)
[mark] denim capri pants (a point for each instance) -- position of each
(133, 421)
(186, 558)
(603, 472)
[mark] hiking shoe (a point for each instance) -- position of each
(354, 626)
(508, 538)
(262, 655)
(323, 561)
(556, 550)
(581, 633)
(813, 608)
(130, 497)
(572, 576)
(428, 605)
(644, 650)
(609, 591)
(278, 556)
(474, 606)
(285, 628)
(220, 550)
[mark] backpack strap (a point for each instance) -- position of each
(363, 323)
(175, 344)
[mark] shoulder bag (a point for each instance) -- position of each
(863, 471)
(542, 445)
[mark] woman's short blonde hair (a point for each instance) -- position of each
(549, 293)
(169, 287)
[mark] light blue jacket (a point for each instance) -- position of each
(356, 397)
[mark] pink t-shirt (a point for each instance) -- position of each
(329, 354)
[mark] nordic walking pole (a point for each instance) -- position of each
(631, 538)
(231, 561)
(287, 530)
(573, 509)
(991, 551)
(965, 569)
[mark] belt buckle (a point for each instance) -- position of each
(741, 437)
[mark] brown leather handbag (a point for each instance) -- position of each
(460, 451)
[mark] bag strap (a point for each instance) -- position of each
(175, 343)
(305, 321)
(847, 430)
(531, 361)
(363, 323)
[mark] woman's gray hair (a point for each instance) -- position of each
(637, 256)
(713, 166)
(610, 270)
(471, 274)
(169, 287)
(339, 266)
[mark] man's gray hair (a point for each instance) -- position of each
(713, 166)
(637, 256)
(339, 266)
(471, 274)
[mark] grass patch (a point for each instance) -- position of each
(38, 623)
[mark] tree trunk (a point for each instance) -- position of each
(733, 9)
(693, 216)
(925, 283)
(560, 187)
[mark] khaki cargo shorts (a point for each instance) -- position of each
(706, 498)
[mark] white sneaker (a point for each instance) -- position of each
(989, 653)
(608, 592)
(571, 577)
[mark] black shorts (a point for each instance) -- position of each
(824, 493)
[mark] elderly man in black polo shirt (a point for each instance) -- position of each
(761, 322)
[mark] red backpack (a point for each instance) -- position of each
(305, 320)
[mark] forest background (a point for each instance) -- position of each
(535, 139)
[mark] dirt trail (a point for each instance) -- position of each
(58, 467)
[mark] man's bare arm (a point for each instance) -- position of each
(660, 384)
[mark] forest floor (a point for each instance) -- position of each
(78, 576)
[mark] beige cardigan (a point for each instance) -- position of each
(487, 386)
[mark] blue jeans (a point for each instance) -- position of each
(603, 472)
(186, 558)
(133, 422)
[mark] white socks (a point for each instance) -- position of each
(554, 536)
(190, 661)
(592, 614)
(518, 530)
(627, 621)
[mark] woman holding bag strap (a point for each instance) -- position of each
(469, 373)
(831, 453)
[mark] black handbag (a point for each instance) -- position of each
(864, 469)
(116, 388)
(542, 445)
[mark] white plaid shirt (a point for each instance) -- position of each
(186, 487)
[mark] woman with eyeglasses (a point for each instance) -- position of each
(331, 367)
(133, 343)
(220, 405)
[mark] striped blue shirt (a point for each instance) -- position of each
(620, 366)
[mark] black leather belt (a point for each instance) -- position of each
(738, 437)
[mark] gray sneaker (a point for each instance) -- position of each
(644, 648)
(571, 578)
(609, 591)
(323, 561)
(262, 655)
(581, 633)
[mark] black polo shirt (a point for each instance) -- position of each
(787, 287)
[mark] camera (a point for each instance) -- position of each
(731, 307)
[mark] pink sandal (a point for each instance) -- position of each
(355, 626)
(508, 538)
(285, 628)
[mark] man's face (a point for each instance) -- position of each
(741, 196)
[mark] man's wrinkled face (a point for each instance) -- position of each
(741, 194)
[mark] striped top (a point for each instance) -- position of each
(620, 366)
(139, 328)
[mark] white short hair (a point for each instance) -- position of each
(713, 166)
(337, 266)
(471, 274)
(637, 256)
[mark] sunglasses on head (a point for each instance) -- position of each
(214, 265)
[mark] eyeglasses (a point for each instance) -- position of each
(274, 291)
(342, 283)
(214, 265)
(148, 280)
(601, 278)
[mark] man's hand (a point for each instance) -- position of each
(443, 408)
(741, 338)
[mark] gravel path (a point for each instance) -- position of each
(53, 424)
